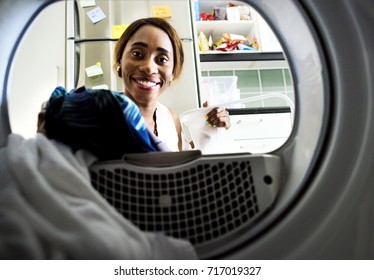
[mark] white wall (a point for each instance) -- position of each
(39, 66)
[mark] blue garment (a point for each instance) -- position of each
(107, 123)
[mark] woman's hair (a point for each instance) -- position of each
(164, 26)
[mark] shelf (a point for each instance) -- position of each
(249, 28)
(217, 28)
(219, 56)
(241, 27)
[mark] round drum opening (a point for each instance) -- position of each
(211, 205)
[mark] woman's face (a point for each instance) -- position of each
(147, 64)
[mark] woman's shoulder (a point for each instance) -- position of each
(163, 108)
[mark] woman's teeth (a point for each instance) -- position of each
(147, 83)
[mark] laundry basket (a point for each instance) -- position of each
(209, 200)
(212, 200)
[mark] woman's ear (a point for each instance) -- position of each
(119, 69)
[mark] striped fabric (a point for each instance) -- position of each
(104, 122)
(134, 120)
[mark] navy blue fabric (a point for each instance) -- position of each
(106, 123)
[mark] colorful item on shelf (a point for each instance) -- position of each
(232, 42)
(244, 12)
(229, 5)
(210, 42)
(231, 11)
(228, 37)
(196, 10)
(254, 42)
(203, 43)
(229, 46)
(245, 47)
(206, 16)
(219, 12)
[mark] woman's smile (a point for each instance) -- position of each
(147, 84)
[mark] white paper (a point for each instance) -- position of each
(87, 3)
(103, 86)
(94, 70)
(96, 15)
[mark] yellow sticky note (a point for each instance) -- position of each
(117, 30)
(162, 11)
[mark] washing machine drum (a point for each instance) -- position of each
(311, 198)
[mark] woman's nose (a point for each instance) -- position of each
(149, 67)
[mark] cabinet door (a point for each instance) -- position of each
(256, 146)
(260, 133)
(261, 126)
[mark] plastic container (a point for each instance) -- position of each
(196, 7)
(207, 139)
(219, 90)
(233, 13)
(212, 140)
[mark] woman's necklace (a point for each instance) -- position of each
(155, 121)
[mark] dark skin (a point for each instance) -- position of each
(218, 117)
(41, 119)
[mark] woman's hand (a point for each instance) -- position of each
(218, 117)
(41, 119)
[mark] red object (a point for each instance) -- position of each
(206, 16)
(230, 46)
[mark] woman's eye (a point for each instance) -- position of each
(136, 54)
(163, 60)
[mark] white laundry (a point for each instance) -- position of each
(49, 210)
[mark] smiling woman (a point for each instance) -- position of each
(147, 59)
(286, 204)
